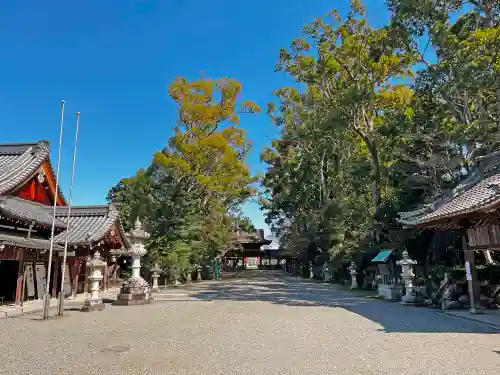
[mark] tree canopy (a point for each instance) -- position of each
(191, 193)
(376, 127)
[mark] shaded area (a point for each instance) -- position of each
(280, 288)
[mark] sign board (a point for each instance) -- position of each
(41, 280)
(67, 282)
(468, 274)
(30, 280)
(252, 262)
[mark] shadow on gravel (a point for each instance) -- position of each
(282, 289)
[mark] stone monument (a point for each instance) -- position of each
(136, 290)
(155, 275)
(408, 277)
(327, 272)
(354, 276)
(95, 267)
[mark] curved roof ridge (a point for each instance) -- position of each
(14, 171)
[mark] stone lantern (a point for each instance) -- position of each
(327, 272)
(155, 275)
(136, 290)
(311, 271)
(199, 268)
(353, 271)
(408, 276)
(95, 267)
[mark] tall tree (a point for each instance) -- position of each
(354, 68)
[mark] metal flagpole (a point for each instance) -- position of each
(60, 309)
(46, 304)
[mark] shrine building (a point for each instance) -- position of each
(27, 194)
(472, 207)
(248, 254)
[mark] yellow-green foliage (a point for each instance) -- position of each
(207, 146)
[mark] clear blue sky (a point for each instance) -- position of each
(113, 61)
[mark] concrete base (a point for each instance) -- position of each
(133, 302)
(408, 299)
(155, 290)
(93, 307)
(390, 292)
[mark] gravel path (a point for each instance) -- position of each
(261, 323)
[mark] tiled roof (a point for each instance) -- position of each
(31, 243)
(18, 162)
(255, 237)
(22, 209)
(479, 191)
(89, 224)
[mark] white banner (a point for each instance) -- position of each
(67, 282)
(30, 280)
(41, 280)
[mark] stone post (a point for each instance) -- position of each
(136, 290)
(95, 266)
(155, 275)
(354, 275)
(408, 276)
(198, 272)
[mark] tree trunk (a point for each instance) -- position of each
(376, 194)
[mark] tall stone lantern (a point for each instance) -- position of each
(95, 267)
(353, 271)
(408, 276)
(136, 290)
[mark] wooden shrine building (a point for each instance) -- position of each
(474, 207)
(248, 253)
(27, 194)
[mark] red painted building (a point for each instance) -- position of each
(27, 194)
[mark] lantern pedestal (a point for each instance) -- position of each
(134, 292)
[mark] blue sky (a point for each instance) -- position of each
(113, 61)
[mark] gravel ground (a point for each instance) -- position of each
(261, 323)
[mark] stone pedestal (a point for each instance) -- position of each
(354, 276)
(95, 267)
(408, 277)
(136, 290)
(390, 292)
(155, 276)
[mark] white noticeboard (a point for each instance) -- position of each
(41, 280)
(468, 274)
(30, 281)
(67, 282)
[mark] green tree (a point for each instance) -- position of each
(354, 70)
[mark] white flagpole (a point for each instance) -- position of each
(46, 304)
(60, 310)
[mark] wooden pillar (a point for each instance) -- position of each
(472, 278)
(57, 266)
(116, 268)
(73, 272)
(20, 277)
(106, 274)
